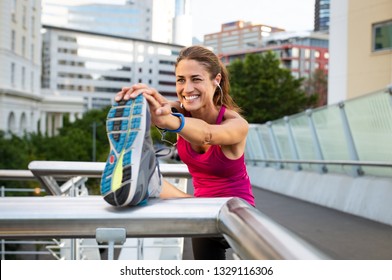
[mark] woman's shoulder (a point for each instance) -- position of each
(232, 114)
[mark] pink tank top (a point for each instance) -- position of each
(215, 175)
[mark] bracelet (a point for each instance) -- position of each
(182, 120)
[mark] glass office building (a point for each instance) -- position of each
(321, 15)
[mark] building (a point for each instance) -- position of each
(360, 48)
(142, 19)
(20, 47)
(182, 23)
(95, 66)
(22, 106)
(300, 52)
(238, 36)
(321, 15)
(133, 19)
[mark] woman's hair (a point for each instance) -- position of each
(214, 66)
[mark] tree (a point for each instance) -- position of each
(317, 84)
(264, 90)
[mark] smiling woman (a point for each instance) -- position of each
(211, 134)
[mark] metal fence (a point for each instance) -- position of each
(251, 234)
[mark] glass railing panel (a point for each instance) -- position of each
(303, 138)
(367, 118)
(266, 141)
(254, 149)
(283, 141)
(328, 123)
(370, 119)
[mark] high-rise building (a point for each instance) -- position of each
(132, 19)
(182, 23)
(141, 19)
(321, 15)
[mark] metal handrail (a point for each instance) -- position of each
(251, 234)
(15, 174)
(48, 171)
(93, 169)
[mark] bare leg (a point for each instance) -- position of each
(170, 191)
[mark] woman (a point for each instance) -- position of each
(211, 133)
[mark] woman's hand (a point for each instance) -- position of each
(159, 105)
(127, 93)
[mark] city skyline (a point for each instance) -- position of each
(208, 16)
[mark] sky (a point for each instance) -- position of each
(208, 15)
(292, 15)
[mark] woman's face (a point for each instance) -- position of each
(194, 87)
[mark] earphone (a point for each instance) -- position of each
(220, 89)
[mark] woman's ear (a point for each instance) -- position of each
(218, 79)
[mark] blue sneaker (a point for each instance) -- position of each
(131, 162)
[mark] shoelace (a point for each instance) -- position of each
(160, 152)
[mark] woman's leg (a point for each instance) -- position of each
(170, 191)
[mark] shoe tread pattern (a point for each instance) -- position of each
(123, 123)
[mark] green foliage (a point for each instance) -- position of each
(264, 90)
(317, 85)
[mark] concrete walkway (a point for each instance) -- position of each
(339, 235)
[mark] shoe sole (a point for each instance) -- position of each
(125, 125)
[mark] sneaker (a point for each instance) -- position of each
(131, 162)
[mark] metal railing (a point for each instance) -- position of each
(251, 234)
(355, 133)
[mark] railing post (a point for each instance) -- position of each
(275, 146)
(293, 144)
(356, 170)
(2, 249)
(74, 249)
(140, 247)
(110, 236)
(316, 141)
(389, 90)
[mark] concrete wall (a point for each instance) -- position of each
(368, 197)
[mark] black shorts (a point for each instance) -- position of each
(209, 248)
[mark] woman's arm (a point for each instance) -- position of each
(230, 134)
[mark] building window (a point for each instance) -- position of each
(13, 40)
(382, 36)
(32, 53)
(13, 74)
(24, 17)
(23, 45)
(32, 81)
(295, 52)
(13, 10)
(33, 26)
(23, 77)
